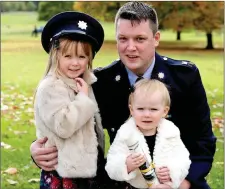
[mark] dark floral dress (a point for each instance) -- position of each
(51, 179)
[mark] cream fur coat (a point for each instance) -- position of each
(169, 151)
(68, 119)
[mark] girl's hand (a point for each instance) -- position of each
(82, 86)
(163, 174)
(134, 161)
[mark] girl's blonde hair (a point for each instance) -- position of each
(146, 87)
(66, 45)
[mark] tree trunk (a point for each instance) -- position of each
(178, 35)
(209, 41)
(118, 5)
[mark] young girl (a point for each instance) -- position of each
(66, 111)
(158, 138)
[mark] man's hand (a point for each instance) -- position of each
(185, 184)
(45, 158)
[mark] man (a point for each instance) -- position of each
(137, 37)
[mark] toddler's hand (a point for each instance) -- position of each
(82, 86)
(163, 174)
(134, 161)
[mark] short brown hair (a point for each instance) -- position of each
(136, 12)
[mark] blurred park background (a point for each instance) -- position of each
(189, 31)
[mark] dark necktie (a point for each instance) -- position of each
(138, 79)
(132, 88)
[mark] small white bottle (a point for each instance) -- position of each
(147, 169)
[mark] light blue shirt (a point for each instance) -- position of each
(132, 77)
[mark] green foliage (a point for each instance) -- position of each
(181, 15)
(48, 9)
(18, 6)
(104, 11)
(208, 15)
(174, 15)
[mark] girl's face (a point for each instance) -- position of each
(147, 111)
(74, 61)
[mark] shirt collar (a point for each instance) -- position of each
(147, 75)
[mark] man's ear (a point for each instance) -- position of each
(166, 110)
(157, 38)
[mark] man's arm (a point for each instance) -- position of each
(185, 184)
(44, 158)
(202, 156)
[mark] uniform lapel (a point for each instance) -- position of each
(161, 73)
(160, 70)
(121, 79)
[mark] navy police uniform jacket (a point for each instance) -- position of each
(189, 108)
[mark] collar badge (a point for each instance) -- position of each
(161, 75)
(82, 25)
(117, 78)
(184, 62)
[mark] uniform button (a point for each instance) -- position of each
(112, 129)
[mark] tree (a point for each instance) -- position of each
(31, 6)
(47, 9)
(18, 6)
(103, 11)
(174, 15)
(208, 17)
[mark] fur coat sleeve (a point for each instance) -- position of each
(116, 160)
(56, 110)
(171, 152)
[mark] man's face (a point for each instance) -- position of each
(136, 44)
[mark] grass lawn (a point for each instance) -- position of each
(23, 63)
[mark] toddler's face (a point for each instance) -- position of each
(147, 110)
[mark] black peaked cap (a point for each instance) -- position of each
(74, 25)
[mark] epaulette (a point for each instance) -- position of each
(106, 67)
(173, 62)
(98, 69)
(110, 65)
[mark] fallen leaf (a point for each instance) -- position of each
(30, 110)
(19, 132)
(34, 180)
(219, 163)
(4, 107)
(12, 182)
(6, 146)
(11, 171)
(15, 107)
(32, 121)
